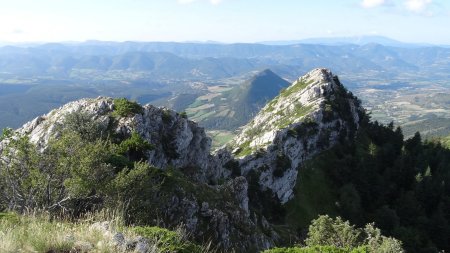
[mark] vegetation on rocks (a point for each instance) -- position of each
(76, 174)
(75, 171)
(296, 87)
(123, 107)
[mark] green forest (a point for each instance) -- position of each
(401, 185)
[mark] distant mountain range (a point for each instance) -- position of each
(355, 40)
(197, 61)
(38, 78)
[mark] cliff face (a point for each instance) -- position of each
(177, 142)
(259, 165)
(209, 212)
(311, 115)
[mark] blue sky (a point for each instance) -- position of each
(222, 20)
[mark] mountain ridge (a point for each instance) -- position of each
(252, 200)
(311, 115)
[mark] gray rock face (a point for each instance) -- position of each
(220, 219)
(178, 142)
(42, 128)
(238, 188)
(313, 114)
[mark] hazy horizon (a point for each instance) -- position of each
(303, 40)
(225, 21)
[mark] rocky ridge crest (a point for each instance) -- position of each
(311, 115)
(177, 141)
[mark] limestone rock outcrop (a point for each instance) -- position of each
(177, 141)
(311, 115)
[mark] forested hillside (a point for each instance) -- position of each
(402, 186)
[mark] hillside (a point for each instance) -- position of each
(230, 107)
(311, 150)
(395, 83)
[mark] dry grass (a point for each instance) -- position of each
(39, 233)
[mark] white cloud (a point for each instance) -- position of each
(372, 3)
(417, 5)
(215, 2)
(422, 7)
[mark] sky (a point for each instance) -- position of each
(420, 21)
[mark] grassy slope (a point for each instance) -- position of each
(220, 138)
(37, 233)
(227, 108)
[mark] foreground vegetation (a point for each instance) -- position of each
(90, 168)
(93, 233)
(328, 235)
(100, 232)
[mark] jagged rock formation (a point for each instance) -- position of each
(311, 115)
(178, 142)
(314, 113)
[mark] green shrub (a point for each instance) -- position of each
(166, 117)
(168, 241)
(22, 182)
(317, 249)
(84, 125)
(183, 115)
(333, 232)
(326, 231)
(119, 161)
(81, 164)
(123, 107)
(135, 147)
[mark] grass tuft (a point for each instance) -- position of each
(40, 233)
